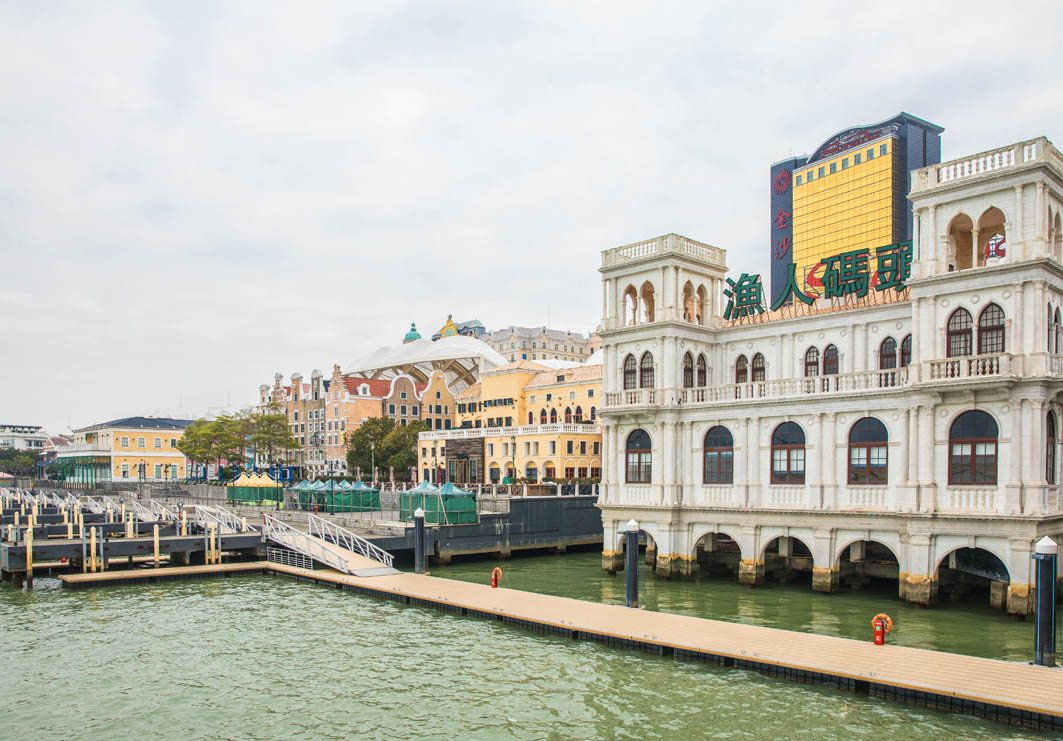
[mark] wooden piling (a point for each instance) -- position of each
(155, 538)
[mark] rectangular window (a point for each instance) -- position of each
(173, 442)
(833, 167)
(158, 470)
(845, 163)
(719, 466)
(822, 172)
(527, 448)
(125, 470)
(882, 149)
(571, 395)
(140, 442)
(505, 449)
(402, 410)
(509, 421)
(531, 399)
(798, 180)
(597, 448)
(391, 408)
(590, 393)
(490, 448)
(638, 467)
(870, 154)
(583, 447)
(125, 442)
(553, 447)
(856, 158)
(569, 446)
(158, 442)
(809, 176)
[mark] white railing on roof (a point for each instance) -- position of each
(673, 243)
(970, 366)
(985, 163)
(568, 428)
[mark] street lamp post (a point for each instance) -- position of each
(372, 463)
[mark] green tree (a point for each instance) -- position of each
(17, 462)
(271, 436)
(360, 442)
(400, 446)
(196, 443)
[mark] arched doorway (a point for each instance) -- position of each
(974, 575)
(787, 559)
(718, 554)
(864, 563)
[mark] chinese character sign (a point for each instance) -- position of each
(894, 266)
(845, 274)
(782, 222)
(744, 297)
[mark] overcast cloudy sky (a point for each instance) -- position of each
(196, 195)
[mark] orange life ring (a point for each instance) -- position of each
(883, 616)
(496, 576)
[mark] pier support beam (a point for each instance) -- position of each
(918, 589)
(612, 561)
(651, 554)
(998, 594)
(1021, 599)
(668, 565)
(825, 580)
(750, 572)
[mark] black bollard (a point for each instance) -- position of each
(1045, 609)
(632, 568)
(418, 541)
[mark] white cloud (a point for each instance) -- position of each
(193, 196)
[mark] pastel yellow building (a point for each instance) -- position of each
(523, 421)
(137, 448)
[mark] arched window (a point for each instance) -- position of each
(568, 415)
(812, 362)
(702, 375)
(688, 371)
(630, 373)
(906, 351)
(758, 367)
(830, 361)
(991, 330)
(887, 354)
(1059, 332)
(638, 457)
(973, 449)
(867, 452)
(1050, 448)
(578, 416)
(553, 416)
(542, 417)
(719, 456)
(958, 334)
(594, 414)
(1051, 330)
(741, 370)
(531, 418)
(788, 454)
(646, 371)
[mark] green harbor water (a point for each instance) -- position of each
(273, 658)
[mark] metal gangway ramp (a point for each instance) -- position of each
(223, 520)
(331, 545)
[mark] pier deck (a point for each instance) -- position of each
(1010, 692)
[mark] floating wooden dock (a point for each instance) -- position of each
(1015, 693)
(140, 576)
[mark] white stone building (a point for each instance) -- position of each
(910, 435)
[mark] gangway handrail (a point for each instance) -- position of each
(234, 520)
(94, 506)
(142, 513)
(333, 533)
(161, 512)
(207, 516)
(300, 542)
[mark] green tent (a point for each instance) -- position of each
(442, 505)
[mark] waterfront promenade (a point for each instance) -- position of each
(1016, 693)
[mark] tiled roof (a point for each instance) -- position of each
(579, 374)
(147, 423)
(378, 387)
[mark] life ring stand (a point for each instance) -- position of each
(884, 617)
(496, 577)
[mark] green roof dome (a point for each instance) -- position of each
(413, 334)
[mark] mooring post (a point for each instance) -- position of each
(92, 550)
(1045, 554)
(29, 557)
(418, 541)
(632, 545)
(155, 538)
(103, 550)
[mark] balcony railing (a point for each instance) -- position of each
(669, 243)
(82, 449)
(566, 428)
(970, 366)
(980, 165)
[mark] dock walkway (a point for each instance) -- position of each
(1016, 693)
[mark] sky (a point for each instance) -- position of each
(196, 195)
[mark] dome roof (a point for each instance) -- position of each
(413, 334)
(460, 358)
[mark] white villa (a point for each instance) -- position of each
(909, 434)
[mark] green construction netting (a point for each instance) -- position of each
(266, 496)
(439, 508)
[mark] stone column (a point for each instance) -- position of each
(1013, 490)
(813, 464)
(825, 574)
(755, 475)
(1016, 241)
(918, 581)
(1030, 463)
(931, 237)
(1036, 485)
(830, 464)
(927, 479)
(612, 554)
(751, 567)
(1041, 223)
(935, 340)
(741, 462)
